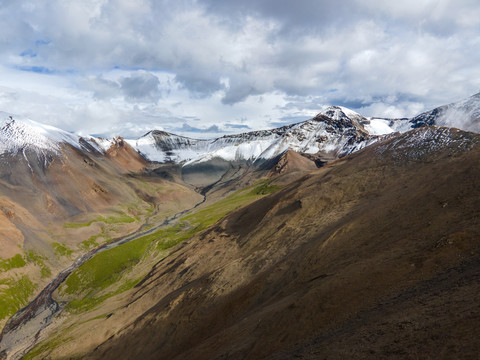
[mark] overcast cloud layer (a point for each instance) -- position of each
(203, 68)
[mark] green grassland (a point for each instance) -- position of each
(114, 271)
(39, 260)
(14, 294)
(211, 214)
(13, 263)
(92, 241)
(110, 272)
(15, 287)
(44, 346)
(61, 249)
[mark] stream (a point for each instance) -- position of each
(22, 331)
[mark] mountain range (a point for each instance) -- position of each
(340, 236)
(335, 132)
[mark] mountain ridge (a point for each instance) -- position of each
(337, 132)
(465, 112)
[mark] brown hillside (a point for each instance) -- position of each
(125, 157)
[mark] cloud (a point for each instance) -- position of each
(141, 86)
(237, 126)
(138, 86)
(188, 128)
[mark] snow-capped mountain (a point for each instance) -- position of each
(21, 135)
(464, 114)
(335, 132)
(165, 147)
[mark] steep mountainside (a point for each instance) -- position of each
(373, 256)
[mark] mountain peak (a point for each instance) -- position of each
(18, 135)
(340, 112)
(25, 134)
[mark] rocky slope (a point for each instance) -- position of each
(374, 255)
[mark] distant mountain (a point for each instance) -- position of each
(332, 136)
(464, 114)
(333, 133)
(373, 125)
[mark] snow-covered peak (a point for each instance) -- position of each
(383, 126)
(340, 112)
(16, 135)
(161, 146)
(20, 135)
(322, 134)
(164, 147)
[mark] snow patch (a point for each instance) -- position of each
(378, 127)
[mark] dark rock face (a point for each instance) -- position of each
(428, 118)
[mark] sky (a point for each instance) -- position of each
(203, 68)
